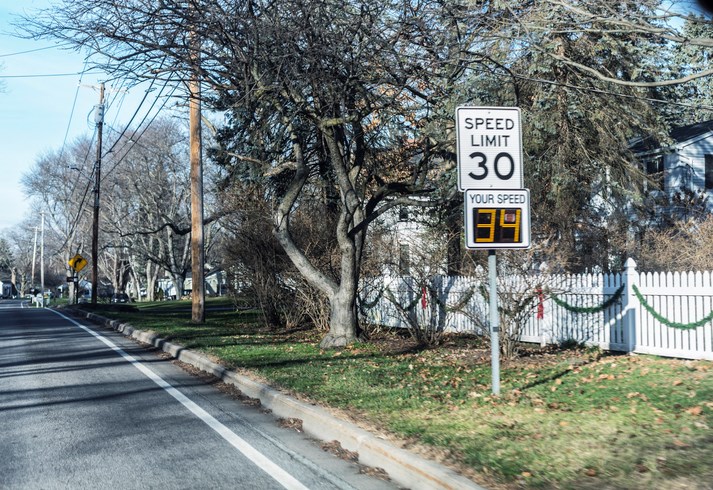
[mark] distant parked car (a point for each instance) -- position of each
(120, 298)
(85, 298)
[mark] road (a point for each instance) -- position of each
(83, 407)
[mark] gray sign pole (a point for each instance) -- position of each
(494, 321)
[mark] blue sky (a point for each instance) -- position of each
(36, 108)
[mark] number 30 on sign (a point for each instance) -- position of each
(497, 219)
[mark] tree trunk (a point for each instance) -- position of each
(150, 283)
(178, 284)
(343, 319)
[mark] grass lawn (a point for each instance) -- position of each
(565, 419)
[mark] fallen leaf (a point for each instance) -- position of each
(590, 472)
(564, 423)
(526, 474)
(677, 382)
(694, 410)
(681, 444)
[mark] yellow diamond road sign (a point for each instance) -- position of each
(77, 262)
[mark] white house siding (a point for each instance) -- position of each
(685, 166)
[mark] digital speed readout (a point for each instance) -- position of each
(497, 219)
(497, 225)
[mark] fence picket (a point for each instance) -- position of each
(573, 307)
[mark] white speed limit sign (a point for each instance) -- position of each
(489, 143)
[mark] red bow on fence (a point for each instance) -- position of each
(540, 304)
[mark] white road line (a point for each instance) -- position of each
(277, 473)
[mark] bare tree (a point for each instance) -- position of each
(147, 211)
(59, 184)
(345, 102)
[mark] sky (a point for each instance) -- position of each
(38, 112)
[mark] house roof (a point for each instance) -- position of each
(685, 133)
(677, 135)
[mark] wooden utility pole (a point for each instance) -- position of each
(42, 259)
(197, 242)
(34, 261)
(99, 118)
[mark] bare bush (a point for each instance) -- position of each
(683, 246)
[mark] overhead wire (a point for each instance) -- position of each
(90, 178)
(135, 140)
(42, 75)
(136, 112)
(84, 194)
(86, 157)
(74, 106)
(17, 53)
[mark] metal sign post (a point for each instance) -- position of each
(494, 322)
(497, 207)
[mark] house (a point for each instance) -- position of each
(214, 283)
(680, 171)
(7, 289)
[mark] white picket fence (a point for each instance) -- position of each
(597, 309)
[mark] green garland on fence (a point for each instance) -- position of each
(592, 309)
(458, 306)
(432, 297)
(411, 306)
(667, 322)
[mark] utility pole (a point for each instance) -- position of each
(34, 260)
(42, 260)
(99, 118)
(197, 241)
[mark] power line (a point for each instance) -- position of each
(134, 141)
(84, 195)
(89, 179)
(71, 114)
(136, 112)
(45, 75)
(7, 55)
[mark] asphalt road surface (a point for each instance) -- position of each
(83, 407)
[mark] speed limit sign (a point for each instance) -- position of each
(489, 142)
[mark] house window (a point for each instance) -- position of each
(709, 171)
(655, 173)
(404, 260)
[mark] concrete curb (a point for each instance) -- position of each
(404, 468)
